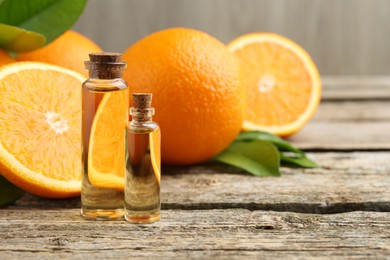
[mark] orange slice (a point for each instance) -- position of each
(106, 161)
(40, 118)
(5, 58)
(282, 82)
(155, 155)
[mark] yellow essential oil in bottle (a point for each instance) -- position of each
(105, 104)
(143, 167)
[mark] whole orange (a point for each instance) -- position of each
(5, 58)
(70, 50)
(196, 91)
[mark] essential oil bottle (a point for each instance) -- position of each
(105, 104)
(143, 170)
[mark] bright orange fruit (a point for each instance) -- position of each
(70, 50)
(5, 58)
(108, 168)
(196, 91)
(282, 83)
(155, 153)
(40, 118)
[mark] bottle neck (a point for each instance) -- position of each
(98, 74)
(105, 70)
(140, 116)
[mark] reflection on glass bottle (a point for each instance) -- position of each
(143, 170)
(105, 103)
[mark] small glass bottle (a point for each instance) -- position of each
(143, 167)
(105, 104)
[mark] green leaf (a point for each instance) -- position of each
(290, 156)
(8, 192)
(296, 162)
(15, 39)
(48, 17)
(258, 157)
(277, 141)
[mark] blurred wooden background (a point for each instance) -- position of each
(344, 37)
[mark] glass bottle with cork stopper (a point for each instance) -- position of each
(105, 104)
(143, 166)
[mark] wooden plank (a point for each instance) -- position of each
(344, 136)
(354, 115)
(338, 34)
(353, 111)
(346, 182)
(232, 234)
(356, 88)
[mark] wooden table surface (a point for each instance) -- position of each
(341, 210)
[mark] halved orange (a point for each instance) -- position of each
(282, 82)
(155, 152)
(106, 161)
(40, 118)
(5, 58)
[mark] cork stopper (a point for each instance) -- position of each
(142, 100)
(105, 57)
(141, 110)
(105, 65)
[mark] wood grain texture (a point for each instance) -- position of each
(205, 234)
(343, 136)
(356, 88)
(348, 37)
(212, 211)
(352, 111)
(346, 182)
(354, 115)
